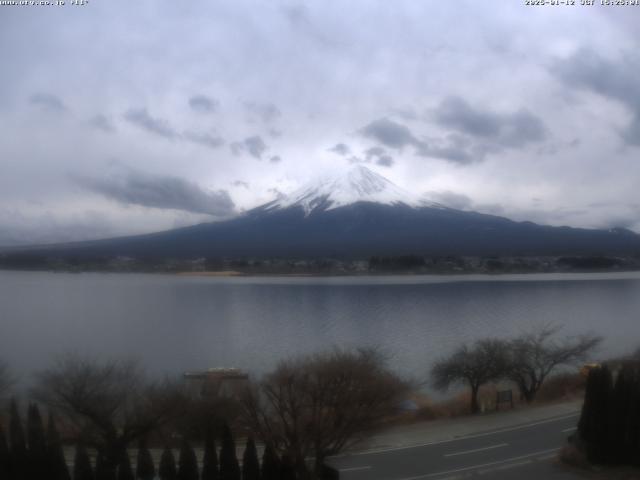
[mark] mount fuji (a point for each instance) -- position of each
(359, 184)
(353, 215)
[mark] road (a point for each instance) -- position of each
(524, 452)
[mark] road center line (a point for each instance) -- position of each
(354, 469)
(465, 452)
(484, 465)
(566, 430)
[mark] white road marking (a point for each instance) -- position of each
(477, 435)
(354, 469)
(501, 468)
(476, 450)
(484, 465)
(549, 456)
(566, 430)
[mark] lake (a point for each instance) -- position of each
(176, 323)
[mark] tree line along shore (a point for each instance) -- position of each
(383, 264)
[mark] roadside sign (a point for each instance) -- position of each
(504, 396)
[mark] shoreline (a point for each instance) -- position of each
(368, 277)
(434, 276)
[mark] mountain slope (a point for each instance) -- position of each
(355, 216)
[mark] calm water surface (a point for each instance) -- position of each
(174, 323)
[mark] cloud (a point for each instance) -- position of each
(157, 126)
(478, 132)
(406, 113)
(374, 152)
(450, 199)
(389, 133)
(132, 187)
(631, 135)
(254, 145)
(379, 155)
(102, 122)
(275, 159)
(616, 80)
(340, 149)
(18, 228)
(241, 183)
(277, 193)
(385, 161)
(266, 112)
(296, 14)
(48, 102)
(203, 104)
(588, 69)
(455, 148)
(206, 139)
(514, 129)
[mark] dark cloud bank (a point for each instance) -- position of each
(165, 192)
(340, 149)
(205, 139)
(48, 102)
(472, 133)
(515, 129)
(203, 104)
(102, 122)
(253, 145)
(157, 126)
(160, 127)
(265, 112)
(617, 80)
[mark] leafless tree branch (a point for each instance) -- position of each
(319, 405)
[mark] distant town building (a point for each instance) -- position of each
(216, 382)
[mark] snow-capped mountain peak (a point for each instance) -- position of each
(358, 184)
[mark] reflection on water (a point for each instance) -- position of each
(177, 323)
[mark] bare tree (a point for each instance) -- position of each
(535, 355)
(319, 405)
(483, 362)
(110, 403)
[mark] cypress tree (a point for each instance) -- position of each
(634, 420)
(167, 468)
(229, 468)
(37, 447)
(585, 423)
(5, 458)
(103, 470)
(604, 430)
(270, 464)
(145, 469)
(19, 454)
(82, 465)
(125, 472)
(56, 462)
(210, 459)
(287, 469)
(100, 467)
(187, 463)
(620, 441)
(593, 426)
(250, 463)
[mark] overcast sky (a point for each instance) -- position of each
(123, 117)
